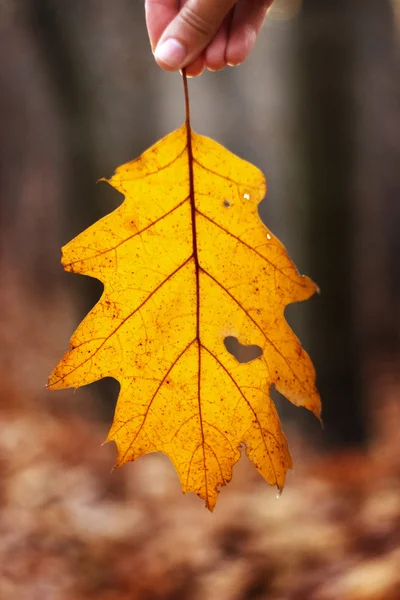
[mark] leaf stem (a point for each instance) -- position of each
(186, 91)
(197, 272)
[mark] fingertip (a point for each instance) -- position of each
(215, 55)
(247, 21)
(215, 52)
(197, 67)
(170, 54)
(239, 46)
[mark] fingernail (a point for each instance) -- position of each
(171, 52)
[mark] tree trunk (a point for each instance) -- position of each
(327, 116)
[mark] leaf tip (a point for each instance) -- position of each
(316, 409)
(211, 502)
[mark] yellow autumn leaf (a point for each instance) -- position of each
(185, 262)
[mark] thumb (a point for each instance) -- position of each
(190, 32)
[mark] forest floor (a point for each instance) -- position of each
(72, 530)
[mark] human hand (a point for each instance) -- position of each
(203, 33)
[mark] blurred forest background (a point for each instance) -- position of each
(317, 108)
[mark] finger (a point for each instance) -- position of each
(246, 23)
(190, 32)
(215, 51)
(196, 67)
(159, 14)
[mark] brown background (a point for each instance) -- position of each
(317, 108)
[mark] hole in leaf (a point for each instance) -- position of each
(243, 354)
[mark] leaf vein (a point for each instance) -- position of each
(258, 327)
(126, 319)
(174, 362)
(251, 248)
(167, 214)
(248, 404)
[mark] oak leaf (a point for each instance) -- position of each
(186, 262)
